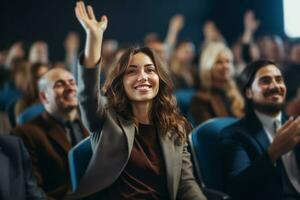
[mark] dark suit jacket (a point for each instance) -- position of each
(249, 172)
(48, 147)
(112, 139)
(16, 179)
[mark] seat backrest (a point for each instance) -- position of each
(10, 110)
(184, 98)
(205, 148)
(30, 113)
(79, 157)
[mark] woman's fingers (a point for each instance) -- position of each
(91, 12)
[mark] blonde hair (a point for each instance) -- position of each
(208, 60)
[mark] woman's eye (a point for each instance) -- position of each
(150, 70)
(130, 71)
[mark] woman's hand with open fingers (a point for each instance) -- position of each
(287, 137)
(94, 33)
(87, 19)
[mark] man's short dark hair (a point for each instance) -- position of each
(247, 77)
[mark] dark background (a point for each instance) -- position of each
(131, 20)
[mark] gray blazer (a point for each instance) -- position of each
(112, 140)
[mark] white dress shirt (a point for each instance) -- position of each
(288, 159)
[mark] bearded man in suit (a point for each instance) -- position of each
(261, 150)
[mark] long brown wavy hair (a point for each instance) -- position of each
(164, 110)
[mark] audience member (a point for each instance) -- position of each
(71, 45)
(292, 71)
(272, 48)
(16, 179)
(50, 136)
(31, 96)
(219, 95)
(261, 150)
(139, 137)
(183, 72)
(16, 51)
(249, 49)
(211, 33)
(38, 53)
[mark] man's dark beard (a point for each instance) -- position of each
(268, 108)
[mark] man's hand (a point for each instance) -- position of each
(287, 137)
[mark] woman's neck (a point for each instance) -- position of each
(220, 84)
(141, 112)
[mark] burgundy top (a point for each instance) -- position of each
(144, 176)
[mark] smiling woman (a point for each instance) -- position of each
(141, 80)
(140, 138)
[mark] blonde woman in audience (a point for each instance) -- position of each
(137, 133)
(219, 95)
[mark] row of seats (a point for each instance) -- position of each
(204, 146)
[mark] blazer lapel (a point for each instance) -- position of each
(172, 159)
(129, 129)
(57, 134)
(261, 135)
(258, 131)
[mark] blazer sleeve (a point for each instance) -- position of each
(33, 192)
(91, 102)
(245, 176)
(188, 187)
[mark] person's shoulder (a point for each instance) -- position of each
(8, 139)
(236, 129)
(202, 95)
(32, 127)
(10, 143)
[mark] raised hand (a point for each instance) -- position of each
(177, 22)
(87, 19)
(94, 33)
(211, 32)
(250, 26)
(250, 22)
(287, 137)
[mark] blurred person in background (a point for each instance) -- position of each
(272, 48)
(16, 179)
(71, 45)
(31, 96)
(219, 95)
(249, 50)
(183, 72)
(38, 53)
(292, 71)
(165, 48)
